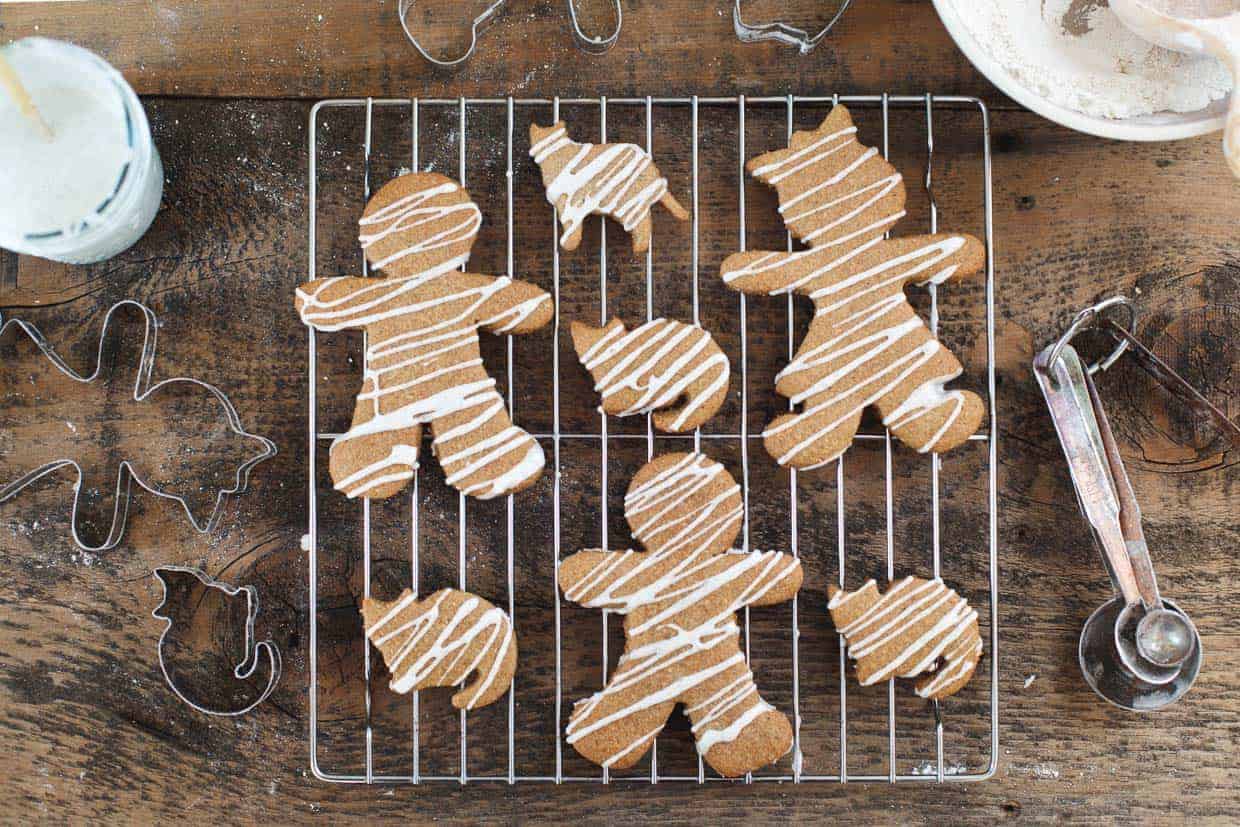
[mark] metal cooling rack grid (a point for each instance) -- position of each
(695, 104)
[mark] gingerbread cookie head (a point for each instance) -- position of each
(684, 505)
(615, 180)
(916, 627)
(423, 223)
(443, 639)
(833, 190)
(679, 599)
(672, 369)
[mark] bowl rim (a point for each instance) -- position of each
(1161, 126)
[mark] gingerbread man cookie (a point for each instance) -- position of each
(865, 345)
(441, 640)
(682, 643)
(616, 180)
(423, 364)
(907, 632)
(668, 367)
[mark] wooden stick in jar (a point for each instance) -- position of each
(13, 85)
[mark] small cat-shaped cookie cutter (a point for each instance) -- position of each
(247, 666)
(143, 388)
(782, 32)
(588, 43)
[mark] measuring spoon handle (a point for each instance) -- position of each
(1067, 397)
(1135, 547)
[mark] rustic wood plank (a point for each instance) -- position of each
(291, 48)
(92, 732)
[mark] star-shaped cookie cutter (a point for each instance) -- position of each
(126, 474)
(247, 666)
(782, 32)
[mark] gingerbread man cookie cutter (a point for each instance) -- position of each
(143, 389)
(589, 43)
(248, 665)
(781, 32)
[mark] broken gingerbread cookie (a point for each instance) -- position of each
(679, 599)
(866, 346)
(422, 364)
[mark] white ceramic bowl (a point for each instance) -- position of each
(1161, 126)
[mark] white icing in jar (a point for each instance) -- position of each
(93, 189)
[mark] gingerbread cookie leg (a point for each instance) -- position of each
(482, 453)
(376, 465)
(805, 441)
(736, 730)
(926, 416)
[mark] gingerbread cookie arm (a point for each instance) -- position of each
(515, 307)
(602, 579)
(778, 580)
(442, 640)
(759, 273)
(342, 303)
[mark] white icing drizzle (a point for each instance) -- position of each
(875, 342)
(643, 360)
(685, 569)
(436, 340)
(909, 605)
(619, 180)
(433, 644)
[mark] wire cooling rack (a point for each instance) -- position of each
(810, 760)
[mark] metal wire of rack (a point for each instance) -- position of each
(929, 772)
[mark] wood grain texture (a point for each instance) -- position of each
(90, 731)
(325, 48)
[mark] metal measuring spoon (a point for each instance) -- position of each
(1108, 676)
(1062, 378)
(1147, 629)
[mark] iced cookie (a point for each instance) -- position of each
(917, 627)
(443, 639)
(679, 599)
(423, 365)
(674, 369)
(865, 345)
(616, 180)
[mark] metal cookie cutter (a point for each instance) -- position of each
(594, 45)
(782, 32)
(476, 28)
(249, 663)
(1137, 651)
(126, 474)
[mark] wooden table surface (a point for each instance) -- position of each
(89, 729)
